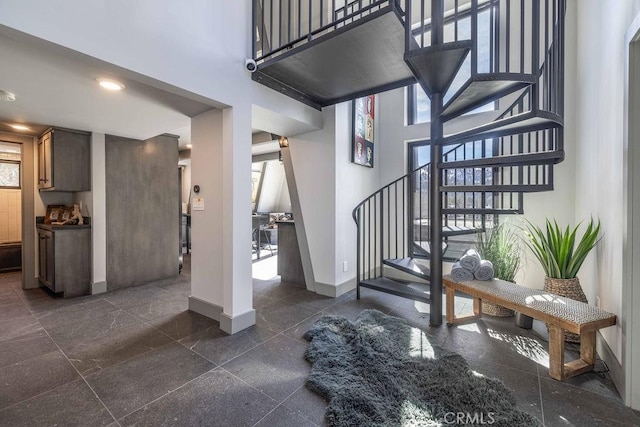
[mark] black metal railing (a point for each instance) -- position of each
(281, 25)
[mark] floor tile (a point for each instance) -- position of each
(18, 326)
(281, 315)
(487, 341)
(25, 347)
(567, 405)
(525, 387)
(179, 285)
(116, 345)
(298, 331)
(77, 314)
(155, 308)
(69, 334)
(308, 405)
(13, 309)
(73, 404)
(277, 367)
(130, 385)
(137, 295)
(282, 416)
(310, 300)
(215, 399)
(219, 347)
(183, 324)
(44, 302)
(29, 378)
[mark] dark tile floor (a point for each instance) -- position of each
(138, 357)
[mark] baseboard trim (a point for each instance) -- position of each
(232, 325)
(615, 367)
(335, 291)
(205, 308)
(98, 288)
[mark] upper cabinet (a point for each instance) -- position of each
(64, 160)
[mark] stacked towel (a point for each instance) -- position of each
(472, 266)
(460, 274)
(485, 271)
(471, 260)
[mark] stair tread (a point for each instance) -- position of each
(410, 266)
(507, 188)
(410, 290)
(517, 124)
(546, 157)
(482, 211)
(483, 88)
(436, 66)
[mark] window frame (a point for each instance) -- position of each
(11, 187)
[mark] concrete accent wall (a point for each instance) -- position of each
(141, 209)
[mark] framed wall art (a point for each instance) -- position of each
(363, 116)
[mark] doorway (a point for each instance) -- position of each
(10, 207)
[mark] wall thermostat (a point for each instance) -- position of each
(196, 189)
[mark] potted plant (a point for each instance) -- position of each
(561, 259)
(501, 246)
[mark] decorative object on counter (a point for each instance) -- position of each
(500, 245)
(561, 259)
(54, 213)
(76, 216)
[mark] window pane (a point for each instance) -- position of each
(9, 174)
(423, 106)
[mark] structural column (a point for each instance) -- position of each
(435, 210)
(221, 284)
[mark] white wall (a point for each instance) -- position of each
(274, 195)
(599, 153)
(330, 186)
(313, 157)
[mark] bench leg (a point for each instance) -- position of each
(559, 370)
(556, 353)
(451, 309)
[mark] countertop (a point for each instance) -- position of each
(54, 227)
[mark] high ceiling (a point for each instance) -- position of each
(55, 86)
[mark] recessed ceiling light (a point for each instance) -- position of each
(188, 145)
(20, 127)
(109, 84)
(5, 95)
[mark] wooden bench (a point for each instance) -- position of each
(560, 314)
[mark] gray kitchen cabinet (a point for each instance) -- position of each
(65, 259)
(64, 160)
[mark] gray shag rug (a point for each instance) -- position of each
(379, 371)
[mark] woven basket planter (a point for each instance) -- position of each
(496, 310)
(568, 288)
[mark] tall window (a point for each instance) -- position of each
(9, 165)
(419, 105)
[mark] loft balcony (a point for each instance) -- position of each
(322, 52)
(321, 58)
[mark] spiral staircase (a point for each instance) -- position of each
(508, 52)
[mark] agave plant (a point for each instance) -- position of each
(501, 246)
(556, 249)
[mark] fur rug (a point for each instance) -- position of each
(379, 371)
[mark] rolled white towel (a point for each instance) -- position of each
(461, 274)
(470, 260)
(485, 271)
